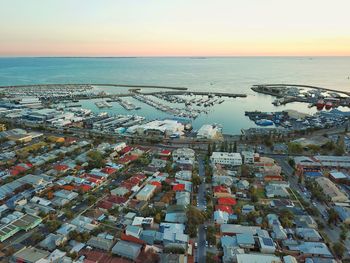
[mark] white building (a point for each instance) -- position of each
(164, 127)
(248, 157)
(208, 131)
(225, 158)
(184, 156)
(146, 193)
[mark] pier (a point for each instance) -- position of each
(257, 86)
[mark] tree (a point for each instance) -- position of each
(253, 194)
(332, 216)
(339, 249)
(91, 199)
(195, 218)
(295, 148)
(196, 180)
(36, 237)
(52, 225)
(245, 170)
(96, 159)
(209, 150)
(69, 213)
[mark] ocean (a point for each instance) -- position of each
(221, 74)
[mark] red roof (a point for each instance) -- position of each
(14, 172)
(221, 189)
(132, 239)
(125, 150)
(68, 187)
(165, 152)
(226, 201)
(224, 208)
(85, 187)
(127, 185)
(95, 176)
(20, 168)
(116, 199)
(158, 184)
(61, 167)
(108, 170)
(128, 159)
(94, 180)
(97, 256)
(273, 177)
(71, 140)
(105, 204)
(179, 187)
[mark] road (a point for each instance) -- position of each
(331, 232)
(201, 250)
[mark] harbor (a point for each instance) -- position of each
(321, 98)
(196, 107)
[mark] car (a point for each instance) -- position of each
(196, 245)
(206, 243)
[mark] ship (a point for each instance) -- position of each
(329, 105)
(264, 122)
(320, 104)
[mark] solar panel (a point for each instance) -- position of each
(267, 241)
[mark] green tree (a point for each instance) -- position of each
(52, 225)
(96, 159)
(333, 216)
(91, 199)
(295, 148)
(196, 180)
(339, 249)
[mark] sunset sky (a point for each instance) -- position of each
(174, 27)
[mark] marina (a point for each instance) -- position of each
(103, 104)
(315, 96)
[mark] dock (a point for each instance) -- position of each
(257, 86)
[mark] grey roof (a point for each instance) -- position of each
(149, 236)
(127, 249)
(31, 254)
(239, 229)
(245, 239)
(308, 233)
(313, 248)
(101, 243)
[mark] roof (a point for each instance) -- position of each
(245, 239)
(127, 249)
(239, 229)
(221, 189)
(31, 254)
(179, 187)
(224, 208)
(165, 152)
(257, 258)
(100, 243)
(226, 201)
(338, 175)
(61, 167)
(314, 248)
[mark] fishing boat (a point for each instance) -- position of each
(320, 104)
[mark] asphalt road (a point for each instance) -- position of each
(201, 250)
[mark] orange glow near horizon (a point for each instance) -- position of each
(175, 28)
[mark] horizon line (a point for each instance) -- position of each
(188, 56)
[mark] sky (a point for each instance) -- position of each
(174, 28)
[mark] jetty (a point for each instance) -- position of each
(259, 87)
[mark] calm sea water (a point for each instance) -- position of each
(232, 74)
